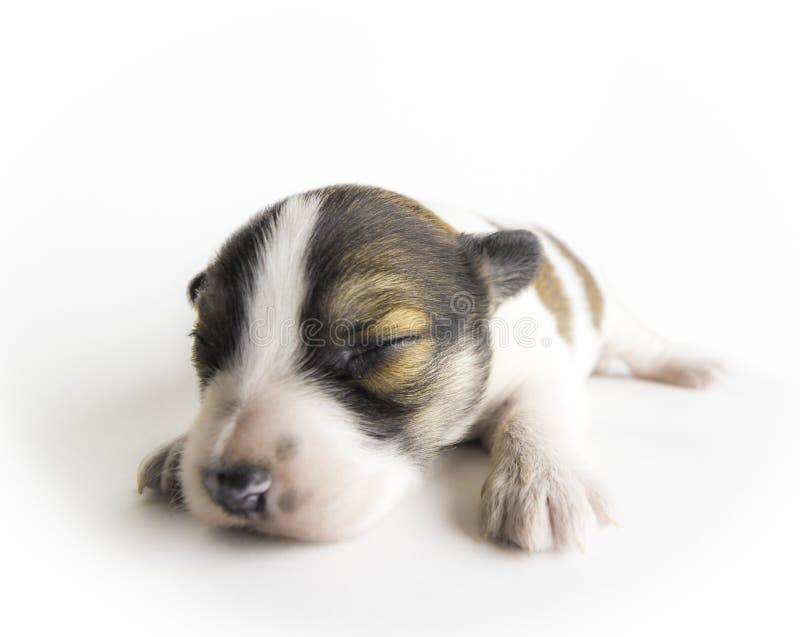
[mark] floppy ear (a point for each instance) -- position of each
(195, 286)
(506, 260)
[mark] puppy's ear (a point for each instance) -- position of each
(195, 286)
(506, 260)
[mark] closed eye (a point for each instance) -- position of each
(359, 361)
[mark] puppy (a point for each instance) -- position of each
(346, 335)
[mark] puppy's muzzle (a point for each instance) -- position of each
(239, 489)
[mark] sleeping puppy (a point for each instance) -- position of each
(346, 335)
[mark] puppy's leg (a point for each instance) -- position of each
(538, 495)
(652, 357)
(159, 470)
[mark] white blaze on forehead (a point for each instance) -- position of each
(274, 312)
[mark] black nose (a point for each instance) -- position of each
(239, 489)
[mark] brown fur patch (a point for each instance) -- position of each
(593, 295)
(551, 292)
(400, 321)
(364, 295)
(414, 206)
(403, 368)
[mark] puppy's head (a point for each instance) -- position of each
(341, 339)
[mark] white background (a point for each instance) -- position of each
(661, 140)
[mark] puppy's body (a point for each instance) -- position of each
(345, 335)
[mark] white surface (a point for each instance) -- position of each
(661, 142)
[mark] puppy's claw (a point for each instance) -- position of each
(600, 506)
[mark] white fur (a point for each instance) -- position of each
(540, 492)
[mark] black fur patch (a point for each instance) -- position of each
(371, 238)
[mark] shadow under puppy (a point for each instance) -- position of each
(345, 335)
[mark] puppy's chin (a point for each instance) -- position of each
(323, 516)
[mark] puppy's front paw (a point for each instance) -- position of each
(159, 471)
(543, 510)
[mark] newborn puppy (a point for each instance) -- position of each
(344, 336)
